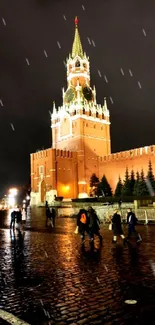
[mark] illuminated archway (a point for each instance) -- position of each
(42, 191)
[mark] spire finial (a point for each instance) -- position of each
(76, 21)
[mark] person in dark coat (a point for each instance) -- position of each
(117, 227)
(94, 223)
(83, 225)
(18, 217)
(53, 215)
(12, 223)
(132, 221)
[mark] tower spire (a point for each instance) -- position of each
(77, 46)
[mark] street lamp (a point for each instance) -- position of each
(11, 197)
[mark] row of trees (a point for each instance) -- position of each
(132, 185)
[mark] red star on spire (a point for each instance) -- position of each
(76, 20)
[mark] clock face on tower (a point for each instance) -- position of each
(70, 95)
(87, 93)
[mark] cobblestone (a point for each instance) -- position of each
(69, 286)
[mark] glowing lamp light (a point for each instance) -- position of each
(11, 197)
(13, 191)
(11, 200)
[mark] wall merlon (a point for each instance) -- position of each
(64, 153)
(129, 154)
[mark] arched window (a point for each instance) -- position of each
(96, 114)
(77, 64)
(89, 113)
(83, 110)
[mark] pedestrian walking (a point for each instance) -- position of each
(18, 217)
(132, 222)
(23, 215)
(12, 223)
(94, 223)
(48, 213)
(83, 225)
(53, 216)
(117, 227)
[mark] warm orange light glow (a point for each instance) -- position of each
(66, 188)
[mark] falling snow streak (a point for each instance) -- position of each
(144, 32)
(99, 73)
(64, 17)
(139, 85)
(4, 22)
(12, 127)
(27, 61)
(1, 102)
(111, 100)
(89, 41)
(93, 42)
(122, 72)
(45, 54)
(58, 43)
(105, 78)
(83, 7)
(130, 72)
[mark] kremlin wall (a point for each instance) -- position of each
(81, 142)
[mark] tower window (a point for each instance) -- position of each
(101, 127)
(84, 65)
(41, 170)
(96, 114)
(89, 113)
(77, 64)
(86, 124)
(102, 116)
(83, 110)
(94, 126)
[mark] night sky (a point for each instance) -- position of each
(32, 72)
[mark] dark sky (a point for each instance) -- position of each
(123, 32)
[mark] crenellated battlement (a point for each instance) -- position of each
(42, 154)
(129, 154)
(64, 153)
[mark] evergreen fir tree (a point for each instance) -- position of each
(126, 189)
(94, 181)
(104, 187)
(141, 186)
(118, 189)
(132, 182)
(150, 175)
(135, 190)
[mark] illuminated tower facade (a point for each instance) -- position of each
(81, 124)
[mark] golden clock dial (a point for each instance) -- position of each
(70, 95)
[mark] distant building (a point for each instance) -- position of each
(81, 143)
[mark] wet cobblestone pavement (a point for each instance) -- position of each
(46, 278)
